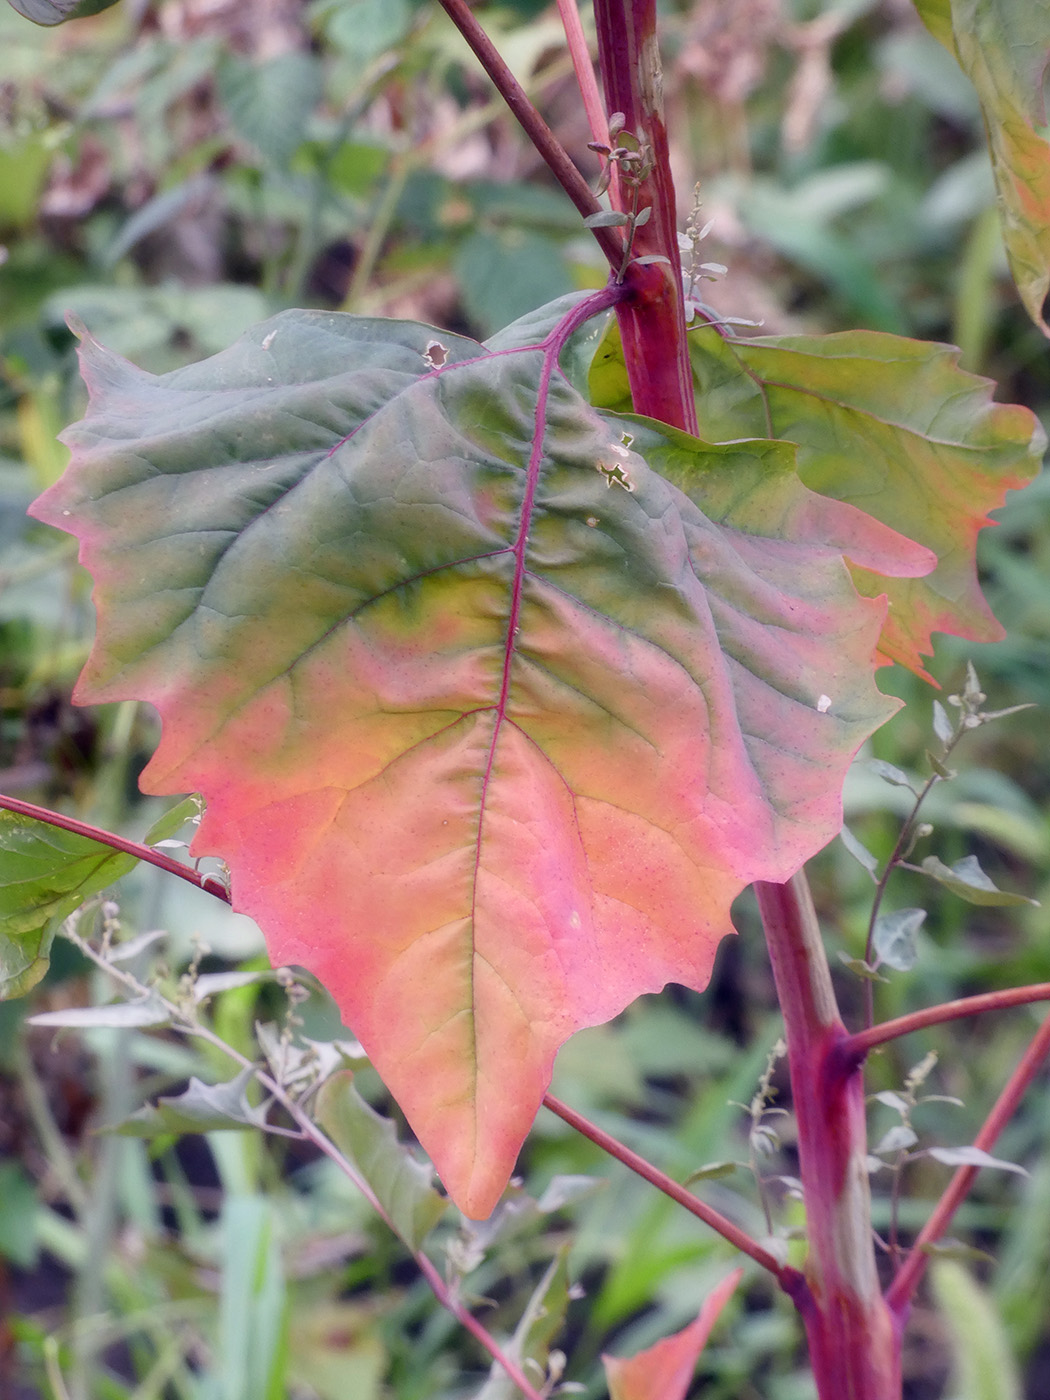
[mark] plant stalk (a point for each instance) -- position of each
(652, 321)
(854, 1337)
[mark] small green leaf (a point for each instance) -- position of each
(531, 1344)
(859, 967)
(713, 1171)
(45, 873)
(894, 938)
(942, 725)
(898, 1139)
(608, 218)
(643, 216)
(966, 879)
(201, 1108)
(148, 1011)
(252, 1303)
(892, 1100)
(959, 1250)
(972, 1157)
(938, 767)
(859, 852)
(403, 1185)
(890, 773)
(188, 810)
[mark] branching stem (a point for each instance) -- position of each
(902, 1289)
(539, 133)
(855, 1047)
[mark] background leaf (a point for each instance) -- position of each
(664, 1370)
(402, 1184)
(45, 873)
(1003, 46)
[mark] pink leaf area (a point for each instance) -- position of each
(664, 1370)
(496, 702)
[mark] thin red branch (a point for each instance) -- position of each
(539, 133)
(855, 1047)
(786, 1276)
(585, 76)
(207, 883)
(902, 1289)
(466, 1319)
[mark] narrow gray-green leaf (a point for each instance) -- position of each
(402, 1184)
(972, 1157)
(201, 1108)
(148, 1011)
(859, 852)
(966, 879)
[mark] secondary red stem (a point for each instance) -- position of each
(855, 1047)
(537, 130)
(584, 69)
(854, 1337)
(208, 883)
(787, 1277)
(903, 1287)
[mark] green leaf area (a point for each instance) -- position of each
(45, 873)
(890, 425)
(483, 689)
(1003, 46)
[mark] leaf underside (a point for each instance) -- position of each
(492, 719)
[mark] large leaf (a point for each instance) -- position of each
(45, 873)
(891, 425)
(664, 1370)
(480, 702)
(1004, 48)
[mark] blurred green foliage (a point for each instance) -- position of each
(172, 171)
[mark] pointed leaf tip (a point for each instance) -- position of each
(664, 1370)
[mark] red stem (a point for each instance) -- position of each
(787, 1277)
(584, 69)
(466, 1319)
(537, 130)
(652, 322)
(208, 883)
(854, 1338)
(856, 1047)
(902, 1289)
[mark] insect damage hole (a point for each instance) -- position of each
(436, 354)
(615, 475)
